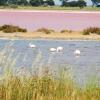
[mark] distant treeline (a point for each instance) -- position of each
(27, 2)
(78, 3)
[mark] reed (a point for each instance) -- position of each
(45, 87)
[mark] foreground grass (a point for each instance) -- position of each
(45, 88)
(51, 8)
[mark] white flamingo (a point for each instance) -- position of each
(59, 49)
(32, 45)
(52, 49)
(77, 52)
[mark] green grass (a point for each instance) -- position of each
(51, 8)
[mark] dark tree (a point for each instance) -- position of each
(73, 4)
(95, 2)
(12, 2)
(64, 2)
(49, 2)
(36, 2)
(81, 3)
(3, 2)
(22, 2)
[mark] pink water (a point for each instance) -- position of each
(57, 21)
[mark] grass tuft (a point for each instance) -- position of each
(45, 30)
(91, 30)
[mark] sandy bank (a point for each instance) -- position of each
(49, 11)
(33, 35)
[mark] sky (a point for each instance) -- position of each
(58, 2)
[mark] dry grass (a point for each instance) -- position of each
(45, 87)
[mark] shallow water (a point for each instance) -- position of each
(54, 20)
(85, 66)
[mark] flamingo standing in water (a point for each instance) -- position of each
(52, 50)
(77, 52)
(32, 45)
(59, 49)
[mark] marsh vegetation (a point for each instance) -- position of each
(91, 30)
(11, 29)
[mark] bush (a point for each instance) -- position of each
(22, 30)
(93, 30)
(45, 30)
(11, 29)
(66, 31)
(86, 32)
(79, 3)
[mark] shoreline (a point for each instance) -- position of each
(50, 11)
(52, 36)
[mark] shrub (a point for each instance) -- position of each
(86, 32)
(93, 30)
(45, 30)
(65, 31)
(22, 30)
(11, 29)
(0, 28)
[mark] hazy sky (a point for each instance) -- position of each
(58, 2)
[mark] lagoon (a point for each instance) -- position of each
(56, 20)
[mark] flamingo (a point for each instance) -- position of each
(52, 49)
(59, 49)
(32, 45)
(77, 52)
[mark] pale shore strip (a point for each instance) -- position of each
(50, 11)
(54, 36)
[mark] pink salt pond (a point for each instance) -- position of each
(57, 20)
